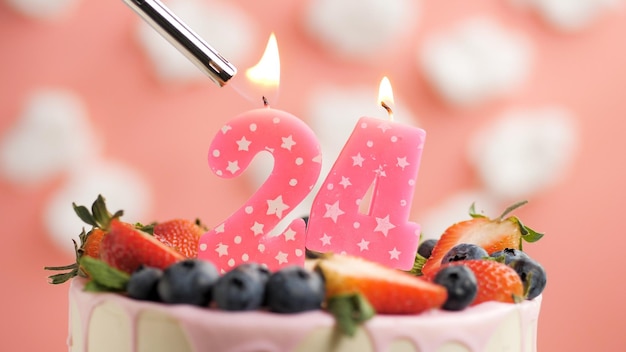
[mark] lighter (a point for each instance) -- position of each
(207, 59)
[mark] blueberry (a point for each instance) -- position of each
(294, 289)
(460, 282)
(532, 274)
(142, 284)
(189, 282)
(464, 251)
(510, 254)
(426, 248)
(242, 288)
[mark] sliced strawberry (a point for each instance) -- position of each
(492, 235)
(126, 248)
(388, 290)
(181, 234)
(496, 281)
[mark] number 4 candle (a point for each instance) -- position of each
(381, 158)
(244, 236)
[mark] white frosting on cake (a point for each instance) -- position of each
(104, 322)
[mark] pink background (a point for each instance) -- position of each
(165, 132)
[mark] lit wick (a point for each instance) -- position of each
(388, 109)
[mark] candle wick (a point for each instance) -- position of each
(265, 102)
(389, 110)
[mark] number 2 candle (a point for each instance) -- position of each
(380, 158)
(244, 236)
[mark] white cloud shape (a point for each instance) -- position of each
(475, 61)
(455, 208)
(52, 134)
(569, 15)
(122, 186)
(43, 9)
(524, 151)
(224, 27)
(360, 29)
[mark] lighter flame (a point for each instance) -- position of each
(385, 96)
(266, 73)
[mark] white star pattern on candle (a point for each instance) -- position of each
(333, 211)
(380, 171)
(402, 162)
(276, 206)
(281, 257)
(384, 127)
(226, 128)
(383, 225)
(357, 160)
(325, 240)
(219, 229)
(363, 245)
(243, 144)
(345, 182)
(288, 142)
(290, 235)
(257, 228)
(221, 249)
(233, 166)
(394, 254)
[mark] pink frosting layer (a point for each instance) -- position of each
(260, 330)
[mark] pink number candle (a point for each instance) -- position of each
(382, 157)
(244, 236)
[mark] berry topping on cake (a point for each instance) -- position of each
(532, 274)
(508, 255)
(496, 281)
(242, 288)
(425, 248)
(295, 289)
(460, 282)
(189, 281)
(464, 251)
(388, 290)
(181, 234)
(142, 284)
(492, 235)
(126, 247)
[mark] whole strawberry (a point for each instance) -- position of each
(125, 248)
(99, 218)
(491, 234)
(496, 281)
(181, 234)
(388, 290)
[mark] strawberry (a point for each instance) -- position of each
(389, 291)
(496, 281)
(99, 218)
(492, 235)
(181, 234)
(125, 248)
(91, 247)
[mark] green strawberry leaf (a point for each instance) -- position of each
(350, 310)
(84, 214)
(512, 207)
(105, 277)
(529, 235)
(473, 213)
(418, 264)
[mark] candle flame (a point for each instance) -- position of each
(385, 96)
(266, 73)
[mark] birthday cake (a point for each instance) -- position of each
(141, 288)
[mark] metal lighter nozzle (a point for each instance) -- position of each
(184, 39)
